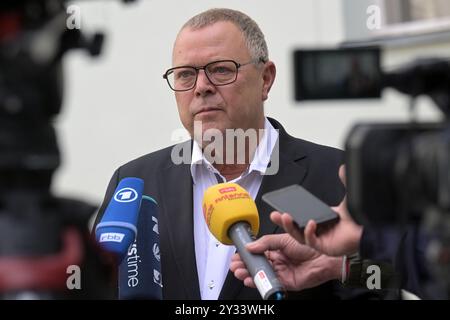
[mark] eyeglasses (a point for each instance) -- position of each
(219, 73)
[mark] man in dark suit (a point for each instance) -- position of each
(221, 77)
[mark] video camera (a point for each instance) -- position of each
(396, 172)
(42, 238)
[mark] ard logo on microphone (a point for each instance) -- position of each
(126, 195)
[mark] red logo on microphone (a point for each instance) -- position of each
(227, 189)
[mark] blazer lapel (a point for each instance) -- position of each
(176, 195)
(292, 170)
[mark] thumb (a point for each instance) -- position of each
(342, 210)
(342, 175)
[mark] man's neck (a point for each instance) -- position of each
(240, 161)
(241, 158)
(231, 171)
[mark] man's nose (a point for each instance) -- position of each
(203, 86)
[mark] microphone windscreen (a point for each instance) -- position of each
(117, 228)
(224, 204)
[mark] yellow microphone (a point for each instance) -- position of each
(232, 217)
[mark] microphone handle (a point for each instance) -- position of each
(259, 268)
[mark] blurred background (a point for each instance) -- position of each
(119, 107)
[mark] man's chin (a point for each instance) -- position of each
(210, 127)
(208, 131)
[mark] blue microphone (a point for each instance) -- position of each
(117, 229)
(140, 271)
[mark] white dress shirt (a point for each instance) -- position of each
(213, 258)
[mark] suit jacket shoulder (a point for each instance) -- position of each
(144, 167)
(318, 165)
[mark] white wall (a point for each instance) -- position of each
(118, 107)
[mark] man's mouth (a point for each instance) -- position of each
(207, 110)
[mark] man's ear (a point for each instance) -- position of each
(268, 75)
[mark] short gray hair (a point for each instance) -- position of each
(253, 36)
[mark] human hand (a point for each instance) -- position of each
(338, 239)
(297, 266)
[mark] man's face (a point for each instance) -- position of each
(236, 105)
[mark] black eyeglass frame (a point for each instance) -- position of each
(204, 68)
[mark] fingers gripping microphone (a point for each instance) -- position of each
(117, 229)
(232, 217)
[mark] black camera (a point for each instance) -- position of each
(44, 240)
(396, 172)
(337, 74)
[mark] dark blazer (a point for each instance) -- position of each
(313, 166)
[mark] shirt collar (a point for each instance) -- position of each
(259, 162)
(264, 150)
